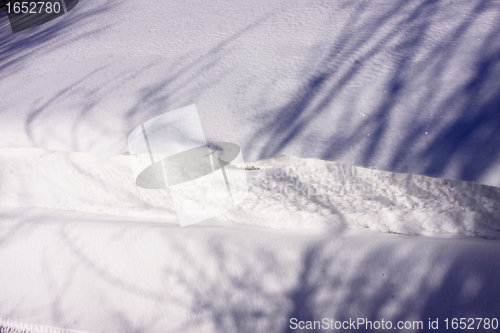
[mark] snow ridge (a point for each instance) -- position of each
(332, 192)
(285, 192)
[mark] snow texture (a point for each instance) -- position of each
(371, 127)
(99, 273)
(406, 86)
(284, 193)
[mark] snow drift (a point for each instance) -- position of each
(284, 192)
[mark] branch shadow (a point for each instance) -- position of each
(451, 129)
(18, 48)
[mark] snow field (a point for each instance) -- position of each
(409, 87)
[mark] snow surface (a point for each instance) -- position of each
(373, 98)
(284, 193)
(84, 248)
(99, 273)
(406, 86)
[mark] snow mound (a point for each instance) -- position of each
(284, 192)
(299, 192)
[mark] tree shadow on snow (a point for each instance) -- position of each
(341, 281)
(390, 285)
(18, 48)
(360, 83)
(382, 67)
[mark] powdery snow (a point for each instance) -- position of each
(373, 97)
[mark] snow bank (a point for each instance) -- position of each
(331, 192)
(285, 193)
